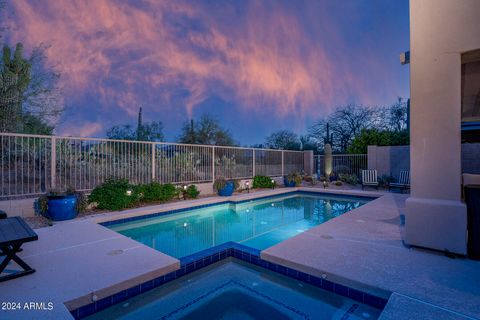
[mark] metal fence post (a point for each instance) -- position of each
(153, 161)
(283, 163)
(213, 163)
(253, 166)
(53, 162)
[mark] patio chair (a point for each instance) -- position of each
(369, 179)
(14, 232)
(403, 181)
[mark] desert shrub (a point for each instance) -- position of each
(295, 176)
(192, 192)
(263, 182)
(385, 180)
(150, 192)
(112, 195)
(236, 184)
(169, 191)
(155, 191)
(338, 183)
(82, 202)
(348, 178)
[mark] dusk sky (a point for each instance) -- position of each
(258, 66)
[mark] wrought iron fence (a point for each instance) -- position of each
(33, 164)
(343, 163)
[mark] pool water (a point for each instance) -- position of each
(232, 289)
(259, 223)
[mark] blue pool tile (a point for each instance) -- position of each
(340, 289)
(208, 260)
(190, 267)
(159, 281)
(262, 263)
(74, 313)
(245, 256)
(292, 273)
(119, 297)
(87, 310)
(272, 266)
(303, 276)
(199, 264)
(103, 303)
(133, 291)
(327, 285)
(170, 276)
(209, 256)
(355, 294)
(316, 281)
(281, 269)
(180, 272)
(147, 285)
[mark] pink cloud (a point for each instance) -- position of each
(87, 129)
(128, 53)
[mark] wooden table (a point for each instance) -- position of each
(14, 232)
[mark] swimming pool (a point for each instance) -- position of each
(232, 289)
(256, 223)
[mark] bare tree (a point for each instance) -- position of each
(283, 139)
(345, 123)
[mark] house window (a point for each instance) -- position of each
(471, 86)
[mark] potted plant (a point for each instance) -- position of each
(223, 187)
(59, 206)
(292, 180)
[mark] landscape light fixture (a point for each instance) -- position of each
(247, 184)
(325, 183)
(184, 192)
(129, 193)
(273, 184)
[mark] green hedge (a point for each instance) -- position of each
(113, 195)
(263, 182)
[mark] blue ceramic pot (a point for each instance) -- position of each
(62, 207)
(289, 184)
(227, 190)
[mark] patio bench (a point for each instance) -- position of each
(14, 232)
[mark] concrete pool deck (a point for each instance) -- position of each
(364, 249)
(78, 259)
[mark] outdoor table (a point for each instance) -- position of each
(14, 232)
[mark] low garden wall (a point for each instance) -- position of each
(390, 160)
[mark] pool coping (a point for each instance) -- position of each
(218, 253)
(229, 201)
(103, 218)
